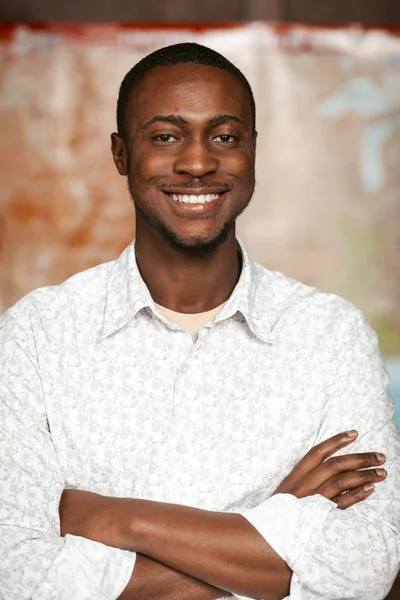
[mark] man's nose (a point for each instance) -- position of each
(196, 159)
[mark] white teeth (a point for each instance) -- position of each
(194, 199)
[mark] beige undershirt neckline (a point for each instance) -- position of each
(191, 322)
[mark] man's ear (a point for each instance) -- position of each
(119, 153)
(255, 134)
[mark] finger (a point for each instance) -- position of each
(337, 465)
(348, 481)
(350, 462)
(350, 498)
(322, 451)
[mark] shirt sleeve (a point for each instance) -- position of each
(35, 562)
(353, 553)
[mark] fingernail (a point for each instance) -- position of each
(352, 433)
(380, 472)
(368, 487)
(380, 457)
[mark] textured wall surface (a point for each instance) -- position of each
(326, 208)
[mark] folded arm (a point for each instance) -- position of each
(223, 549)
(332, 553)
(353, 553)
(155, 581)
(35, 561)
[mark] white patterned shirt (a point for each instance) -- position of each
(100, 392)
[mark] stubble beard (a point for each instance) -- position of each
(194, 245)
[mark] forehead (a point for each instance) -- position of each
(196, 90)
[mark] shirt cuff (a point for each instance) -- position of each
(84, 569)
(290, 525)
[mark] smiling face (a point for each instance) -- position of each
(189, 153)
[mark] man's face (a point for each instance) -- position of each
(189, 153)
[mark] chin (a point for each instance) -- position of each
(196, 244)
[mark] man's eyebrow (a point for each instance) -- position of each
(221, 119)
(175, 119)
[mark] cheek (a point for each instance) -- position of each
(147, 166)
(241, 166)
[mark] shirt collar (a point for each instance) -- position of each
(127, 294)
(253, 298)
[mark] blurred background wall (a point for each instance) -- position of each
(327, 203)
(327, 207)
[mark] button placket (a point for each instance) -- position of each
(183, 348)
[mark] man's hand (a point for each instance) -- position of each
(337, 478)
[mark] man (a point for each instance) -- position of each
(173, 414)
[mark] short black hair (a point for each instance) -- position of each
(187, 52)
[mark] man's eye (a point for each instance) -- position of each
(165, 138)
(225, 138)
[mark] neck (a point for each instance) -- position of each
(188, 282)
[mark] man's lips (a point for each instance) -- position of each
(194, 202)
(188, 196)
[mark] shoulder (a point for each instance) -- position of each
(79, 299)
(296, 306)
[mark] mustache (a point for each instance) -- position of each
(194, 184)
